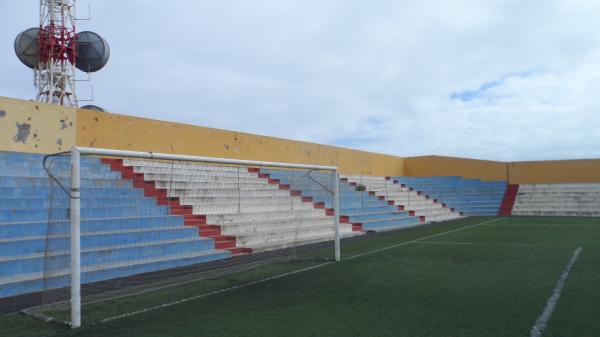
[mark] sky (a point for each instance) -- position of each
(495, 79)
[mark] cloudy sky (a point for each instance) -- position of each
(501, 80)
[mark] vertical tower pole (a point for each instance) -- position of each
(55, 74)
(75, 238)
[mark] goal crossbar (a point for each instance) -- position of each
(75, 202)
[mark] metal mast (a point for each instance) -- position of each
(55, 74)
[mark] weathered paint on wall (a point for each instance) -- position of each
(33, 127)
(42, 128)
(450, 166)
(105, 130)
(555, 171)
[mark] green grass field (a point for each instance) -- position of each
(473, 277)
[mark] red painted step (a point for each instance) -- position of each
(508, 202)
(239, 250)
(175, 208)
(225, 244)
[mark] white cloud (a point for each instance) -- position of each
(375, 75)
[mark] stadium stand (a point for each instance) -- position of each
(468, 196)
(558, 200)
(237, 207)
(412, 201)
(364, 210)
(123, 232)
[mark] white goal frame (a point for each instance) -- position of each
(75, 203)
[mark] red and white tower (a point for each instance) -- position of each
(54, 49)
(55, 73)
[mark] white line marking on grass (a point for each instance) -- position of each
(419, 239)
(491, 244)
(542, 321)
(545, 225)
(244, 285)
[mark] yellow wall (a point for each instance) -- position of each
(105, 130)
(33, 127)
(41, 128)
(555, 171)
(449, 166)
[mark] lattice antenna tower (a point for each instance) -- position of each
(55, 74)
(54, 49)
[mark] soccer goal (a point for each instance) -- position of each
(121, 222)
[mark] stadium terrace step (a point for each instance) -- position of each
(354, 205)
(273, 198)
(234, 217)
(29, 263)
(580, 187)
(413, 201)
(173, 203)
(35, 244)
(123, 232)
(558, 200)
(232, 202)
(17, 214)
(44, 203)
(38, 228)
(553, 208)
(44, 182)
(141, 165)
(213, 209)
(205, 178)
(230, 192)
(358, 217)
(26, 283)
(195, 186)
(55, 192)
(388, 224)
(468, 196)
(378, 209)
(274, 240)
(274, 243)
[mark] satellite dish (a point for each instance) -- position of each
(93, 107)
(92, 52)
(27, 47)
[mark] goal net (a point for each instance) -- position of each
(123, 223)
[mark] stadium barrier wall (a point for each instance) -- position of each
(35, 128)
(426, 166)
(554, 171)
(42, 128)
(106, 130)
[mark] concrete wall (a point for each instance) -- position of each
(33, 127)
(449, 166)
(41, 128)
(555, 171)
(105, 130)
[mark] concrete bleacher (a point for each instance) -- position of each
(469, 196)
(558, 200)
(411, 201)
(123, 232)
(364, 211)
(240, 205)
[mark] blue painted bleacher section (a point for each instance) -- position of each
(359, 206)
(122, 232)
(470, 196)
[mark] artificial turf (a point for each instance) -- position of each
(462, 278)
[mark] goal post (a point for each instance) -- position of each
(75, 202)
